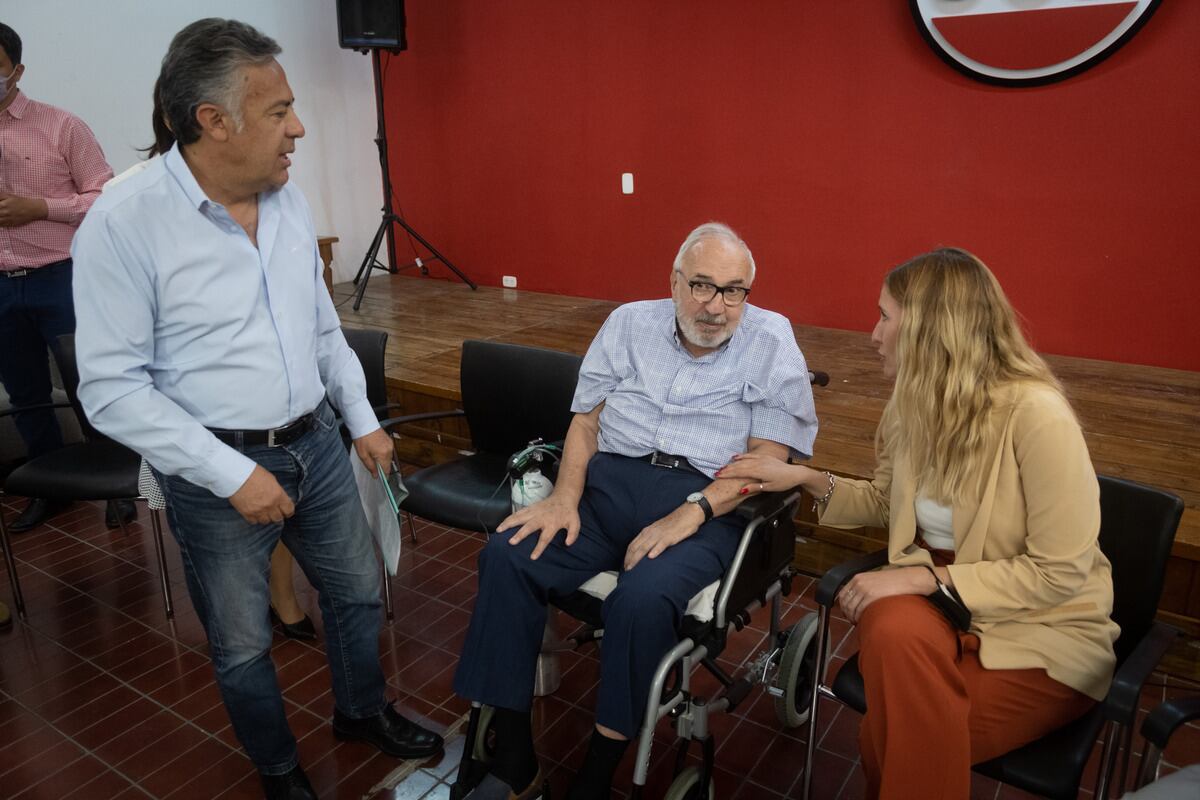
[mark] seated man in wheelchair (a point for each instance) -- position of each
(668, 392)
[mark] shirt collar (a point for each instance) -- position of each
(182, 174)
(18, 105)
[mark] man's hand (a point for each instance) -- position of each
(16, 211)
(545, 519)
(261, 499)
(657, 537)
(375, 448)
(867, 587)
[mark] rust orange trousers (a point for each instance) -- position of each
(932, 713)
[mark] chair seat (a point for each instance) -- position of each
(471, 493)
(1051, 767)
(96, 470)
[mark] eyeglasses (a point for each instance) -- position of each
(704, 292)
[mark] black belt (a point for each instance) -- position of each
(26, 271)
(668, 461)
(276, 437)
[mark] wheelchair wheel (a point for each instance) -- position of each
(483, 749)
(796, 672)
(686, 786)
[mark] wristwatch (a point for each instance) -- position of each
(699, 499)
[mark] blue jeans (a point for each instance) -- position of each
(227, 563)
(34, 311)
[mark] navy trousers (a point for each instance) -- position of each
(34, 311)
(641, 616)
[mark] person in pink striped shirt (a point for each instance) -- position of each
(51, 171)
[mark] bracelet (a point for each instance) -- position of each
(820, 501)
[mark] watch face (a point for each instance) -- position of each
(695, 497)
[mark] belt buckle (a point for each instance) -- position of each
(672, 463)
(271, 437)
(17, 273)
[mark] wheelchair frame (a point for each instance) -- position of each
(700, 644)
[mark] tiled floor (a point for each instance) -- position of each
(102, 697)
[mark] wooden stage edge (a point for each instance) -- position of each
(1141, 423)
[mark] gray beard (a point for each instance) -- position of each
(689, 330)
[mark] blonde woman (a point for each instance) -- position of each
(986, 487)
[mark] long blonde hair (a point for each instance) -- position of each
(959, 341)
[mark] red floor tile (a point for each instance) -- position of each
(102, 696)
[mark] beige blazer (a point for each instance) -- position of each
(1027, 562)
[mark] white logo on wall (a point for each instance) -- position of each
(1028, 42)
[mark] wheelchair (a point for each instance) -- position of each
(759, 575)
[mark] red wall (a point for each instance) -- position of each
(828, 134)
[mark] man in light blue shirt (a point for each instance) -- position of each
(670, 390)
(208, 344)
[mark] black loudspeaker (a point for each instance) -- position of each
(371, 23)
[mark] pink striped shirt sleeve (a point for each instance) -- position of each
(48, 153)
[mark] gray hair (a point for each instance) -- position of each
(711, 230)
(203, 65)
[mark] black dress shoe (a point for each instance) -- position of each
(390, 732)
(303, 630)
(38, 511)
(293, 785)
(119, 511)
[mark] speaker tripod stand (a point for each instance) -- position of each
(371, 261)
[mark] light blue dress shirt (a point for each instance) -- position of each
(657, 396)
(183, 324)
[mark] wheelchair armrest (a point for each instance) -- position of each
(1121, 703)
(767, 504)
(1163, 720)
(757, 512)
(390, 423)
(833, 580)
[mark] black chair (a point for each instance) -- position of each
(1157, 730)
(96, 469)
(370, 345)
(511, 395)
(1137, 528)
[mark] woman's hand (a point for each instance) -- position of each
(764, 473)
(867, 587)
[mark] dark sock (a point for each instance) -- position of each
(515, 762)
(595, 776)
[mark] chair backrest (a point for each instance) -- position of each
(369, 345)
(513, 394)
(64, 356)
(1137, 529)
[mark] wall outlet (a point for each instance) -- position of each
(509, 281)
(626, 183)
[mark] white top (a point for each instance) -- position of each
(936, 523)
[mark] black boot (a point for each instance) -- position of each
(38, 511)
(293, 785)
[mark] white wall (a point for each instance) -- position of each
(99, 60)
